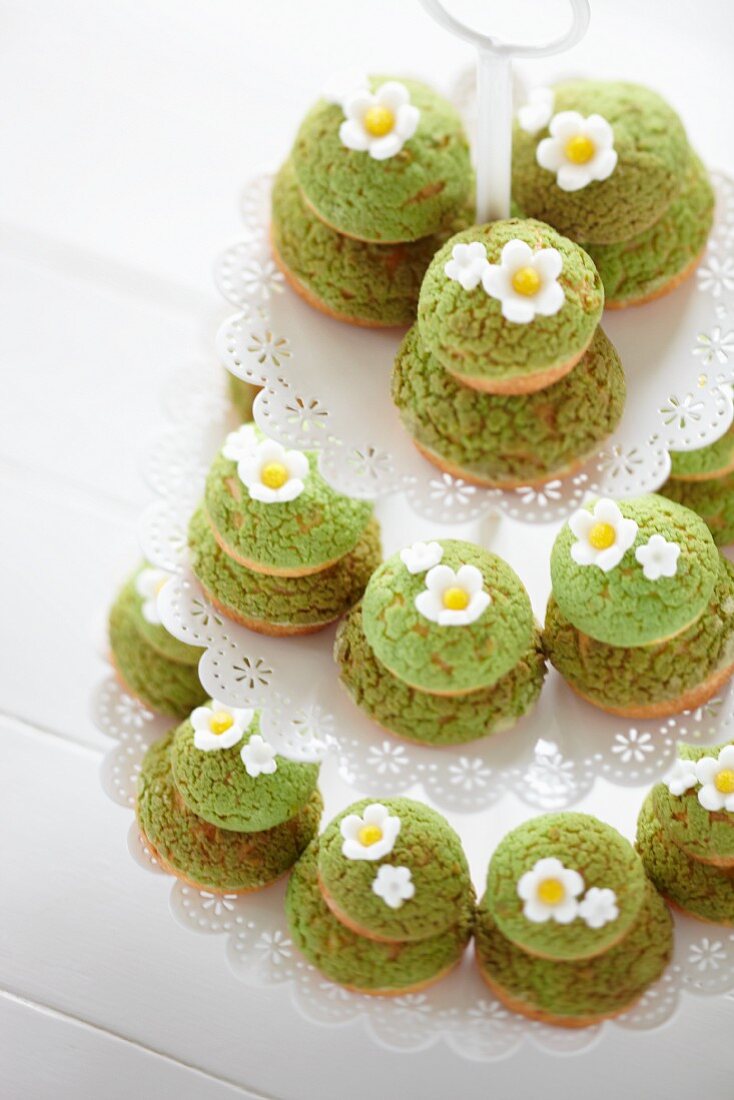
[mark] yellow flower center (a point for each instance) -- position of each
(551, 891)
(220, 722)
(274, 475)
(455, 599)
(724, 781)
(526, 281)
(580, 149)
(602, 536)
(378, 121)
(369, 835)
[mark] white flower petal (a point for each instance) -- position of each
(516, 254)
(518, 311)
(583, 553)
(610, 558)
(581, 523)
(566, 911)
(566, 124)
(392, 94)
(354, 136)
(357, 105)
(548, 262)
(573, 177)
(536, 912)
(707, 768)
(384, 147)
(262, 493)
(711, 799)
(607, 511)
(429, 606)
(549, 154)
(289, 491)
(602, 166)
(406, 122)
(726, 757)
(469, 578)
(549, 299)
(598, 129)
(440, 578)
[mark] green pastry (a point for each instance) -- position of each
(275, 604)
(652, 680)
(434, 719)
(564, 886)
(621, 154)
(369, 845)
(657, 260)
(227, 775)
(703, 480)
(633, 572)
(388, 167)
(154, 666)
(509, 307)
(700, 889)
(208, 857)
(271, 510)
(704, 834)
(507, 441)
(242, 395)
(447, 617)
(364, 284)
(362, 964)
(577, 993)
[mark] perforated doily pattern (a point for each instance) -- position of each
(678, 356)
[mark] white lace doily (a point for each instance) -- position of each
(326, 385)
(460, 1010)
(550, 759)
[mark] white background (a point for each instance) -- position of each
(127, 129)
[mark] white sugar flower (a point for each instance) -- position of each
(148, 584)
(716, 776)
(379, 124)
(394, 885)
(603, 536)
(272, 474)
(598, 907)
(218, 726)
(453, 598)
(682, 777)
(344, 84)
(258, 757)
(658, 558)
(421, 556)
(370, 836)
(579, 150)
(549, 892)
(536, 113)
(467, 264)
(241, 443)
(525, 282)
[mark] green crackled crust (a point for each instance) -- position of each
(428, 846)
(502, 439)
(653, 155)
(157, 668)
(355, 961)
(712, 500)
(623, 677)
(449, 659)
(466, 331)
(371, 284)
(705, 462)
(216, 787)
(582, 991)
(622, 607)
(212, 858)
(317, 528)
(313, 600)
(434, 719)
(702, 835)
(410, 195)
(643, 266)
(582, 843)
(699, 888)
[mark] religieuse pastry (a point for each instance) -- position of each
(509, 307)
(570, 931)
(155, 667)
(609, 164)
(703, 481)
(443, 648)
(382, 902)
(273, 545)
(685, 833)
(383, 160)
(641, 618)
(360, 282)
(220, 808)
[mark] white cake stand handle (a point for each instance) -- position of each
(494, 99)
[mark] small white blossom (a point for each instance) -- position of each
(272, 474)
(218, 726)
(421, 556)
(525, 282)
(258, 757)
(453, 598)
(379, 124)
(394, 885)
(658, 558)
(536, 113)
(579, 150)
(467, 264)
(682, 777)
(549, 891)
(716, 776)
(598, 907)
(371, 836)
(603, 536)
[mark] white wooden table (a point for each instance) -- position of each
(127, 129)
